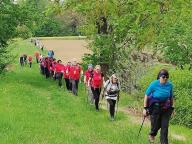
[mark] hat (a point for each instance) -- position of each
(90, 66)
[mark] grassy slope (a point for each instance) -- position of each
(34, 110)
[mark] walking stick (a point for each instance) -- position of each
(85, 90)
(117, 107)
(141, 126)
(117, 103)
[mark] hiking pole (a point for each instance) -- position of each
(117, 107)
(86, 98)
(141, 126)
(117, 103)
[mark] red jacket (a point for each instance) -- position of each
(58, 67)
(97, 80)
(87, 75)
(53, 64)
(67, 71)
(37, 54)
(47, 63)
(75, 72)
(30, 58)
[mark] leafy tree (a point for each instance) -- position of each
(8, 24)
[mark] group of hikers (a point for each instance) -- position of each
(24, 59)
(158, 99)
(37, 43)
(93, 80)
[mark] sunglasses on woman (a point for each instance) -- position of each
(165, 77)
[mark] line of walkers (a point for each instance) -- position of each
(24, 59)
(71, 72)
(158, 100)
(94, 81)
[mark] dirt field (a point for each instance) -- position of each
(67, 49)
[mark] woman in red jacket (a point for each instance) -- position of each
(58, 72)
(30, 59)
(87, 75)
(75, 73)
(96, 84)
(66, 76)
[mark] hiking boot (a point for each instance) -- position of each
(151, 138)
(112, 118)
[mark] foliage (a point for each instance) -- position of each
(48, 28)
(175, 37)
(23, 32)
(8, 24)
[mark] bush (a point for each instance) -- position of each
(23, 32)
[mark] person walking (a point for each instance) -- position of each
(89, 75)
(42, 66)
(158, 103)
(21, 60)
(111, 91)
(58, 72)
(52, 67)
(25, 59)
(67, 76)
(75, 73)
(50, 53)
(47, 67)
(37, 56)
(96, 83)
(30, 59)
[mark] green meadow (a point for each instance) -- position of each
(34, 110)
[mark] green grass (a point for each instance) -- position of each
(34, 110)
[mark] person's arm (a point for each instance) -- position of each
(145, 107)
(84, 80)
(105, 84)
(88, 84)
(145, 102)
(103, 81)
(172, 97)
(119, 87)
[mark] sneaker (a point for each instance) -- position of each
(151, 138)
(112, 118)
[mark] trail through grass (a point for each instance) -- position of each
(33, 110)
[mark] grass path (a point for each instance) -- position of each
(34, 110)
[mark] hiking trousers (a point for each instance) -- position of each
(160, 120)
(59, 76)
(42, 69)
(30, 64)
(68, 84)
(111, 107)
(21, 63)
(90, 94)
(37, 60)
(74, 86)
(96, 95)
(47, 73)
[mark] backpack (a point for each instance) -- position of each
(109, 82)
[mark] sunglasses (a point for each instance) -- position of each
(165, 77)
